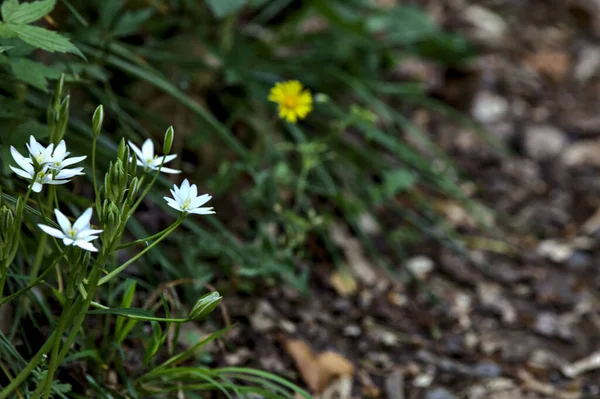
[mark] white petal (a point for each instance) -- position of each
(202, 211)
(83, 222)
(168, 158)
(167, 170)
(36, 187)
(68, 173)
(199, 201)
(148, 149)
(136, 149)
(62, 220)
(87, 233)
(71, 161)
(60, 151)
(87, 239)
(20, 172)
(56, 182)
(185, 189)
(193, 191)
(86, 245)
(20, 159)
(51, 231)
(68, 241)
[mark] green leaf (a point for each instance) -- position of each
(130, 22)
(222, 8)
(6, 32)
(28, 12)
(45, 39)
(34, 73)
(8, 8)
(136, 313)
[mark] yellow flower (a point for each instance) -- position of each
(294, 101)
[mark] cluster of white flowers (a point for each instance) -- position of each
(49, 165)
(45, 165)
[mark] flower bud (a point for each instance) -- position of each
(205, 305)
(98, 120)
(134, 187)
(122, 148)
(168, 142)
(62, 120)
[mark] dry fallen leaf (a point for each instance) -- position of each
(343, 283)
(317, 370)
(552, 64)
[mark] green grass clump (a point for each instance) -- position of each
(207, 67)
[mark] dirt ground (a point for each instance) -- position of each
(526, 323)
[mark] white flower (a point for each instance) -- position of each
(79, 234)
(37, 152)
(59, 161)
(49, 166)
(186, 200)
(149, 161)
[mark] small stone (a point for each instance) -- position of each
(554, 250)
(582, 153)
(543, 142)
(420, 266)
(394, 385)
(588, 64)
(579, 261)
(489, 107)
(487, 26)
(487, 370)
(440, 393)
(352, 330)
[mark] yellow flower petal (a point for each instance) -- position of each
(294, 102)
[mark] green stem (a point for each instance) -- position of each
(8, 260)
(81, 312)
(33, 363)
(53, 365)
(143, 240)
(94, 180)
(119, 269)
(39, 254)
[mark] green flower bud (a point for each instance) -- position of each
(134, 187)
(205, 305)
(122, 149)
(98, 120)
(62, 120)
(168, 142)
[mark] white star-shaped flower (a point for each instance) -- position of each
(149, 161)
(59, 161)
(186, 200)
(79, 233)
(45, 165)
(38, 153)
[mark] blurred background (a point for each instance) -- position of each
(429, 230)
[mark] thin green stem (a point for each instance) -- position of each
(94, 179)
(119, 269)
(33, 363)
(142, 240)
(53, 365)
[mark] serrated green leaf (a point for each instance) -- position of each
(6, 32)
(222, 8)
(28, 12)
(34, 73)
(44, 39)
(8, 8)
